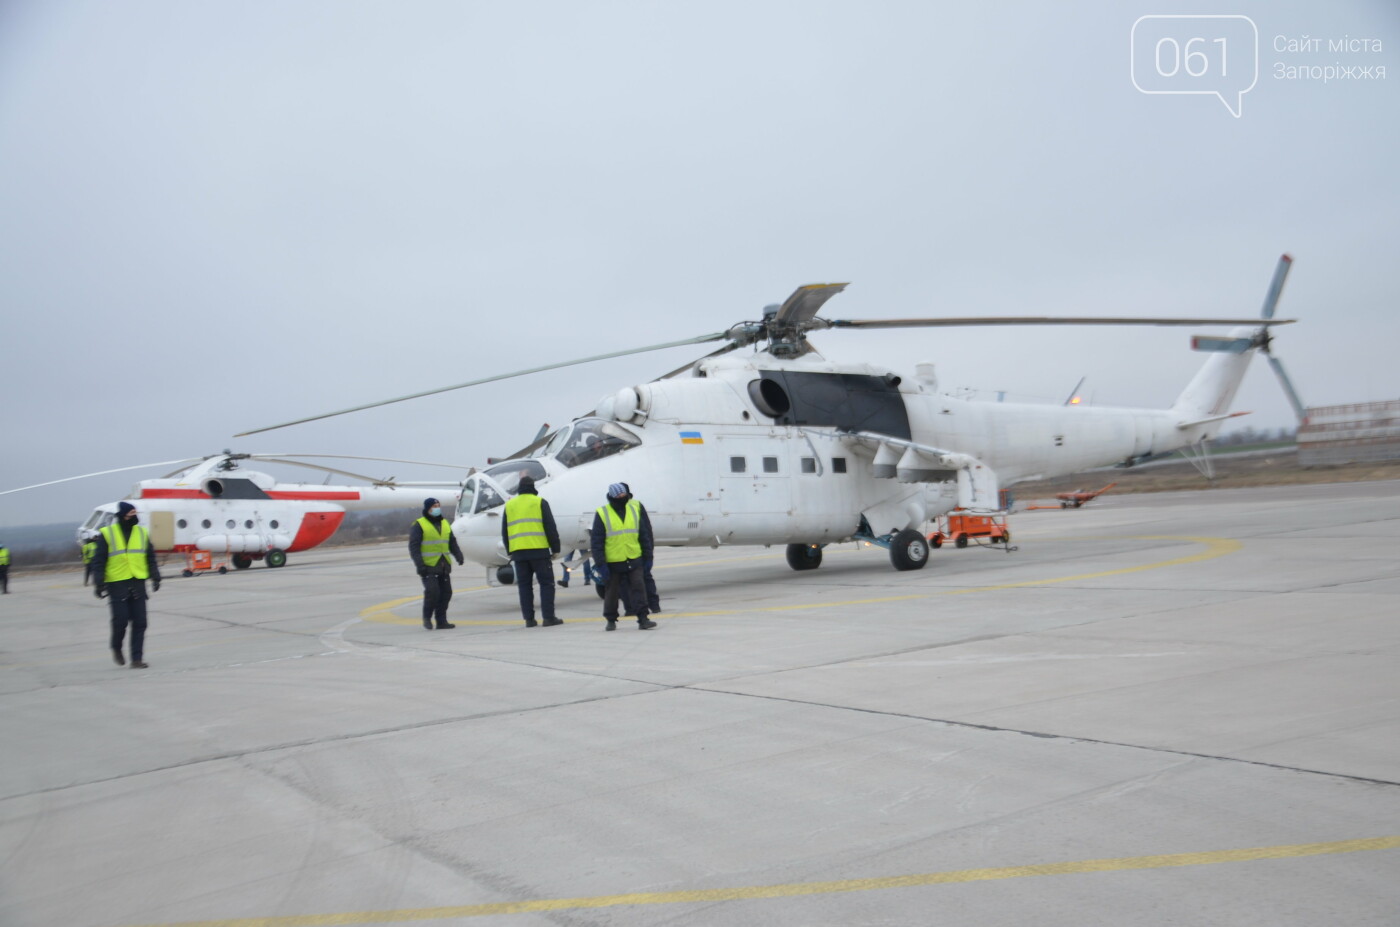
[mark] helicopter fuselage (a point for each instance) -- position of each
(800, 451)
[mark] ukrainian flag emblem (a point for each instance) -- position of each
(691, 437)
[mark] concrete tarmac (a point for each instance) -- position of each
(1159, 710)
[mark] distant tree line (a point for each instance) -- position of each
(1243, 436)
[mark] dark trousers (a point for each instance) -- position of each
(630, 573)
(653, 600)
(127, 599)
(437, 592)
(527, 572)
(87, 573)
(5, 578)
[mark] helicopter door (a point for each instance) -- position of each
(755, 487)
(162, 528)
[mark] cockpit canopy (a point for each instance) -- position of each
(501, 481)
(587, 440)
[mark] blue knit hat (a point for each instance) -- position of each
(617, 490)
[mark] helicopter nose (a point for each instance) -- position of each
(479, 536)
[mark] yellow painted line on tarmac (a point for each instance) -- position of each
(796, 889)
(1214, 547)
(383, 613)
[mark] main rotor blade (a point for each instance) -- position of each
(715, 336)
(68, 479)
(1288, 389)
(806, 301)
(1276, 286)
(733, 346)
(421, 463)
(1035, 320)
(380, 481)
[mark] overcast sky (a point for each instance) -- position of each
(219, 216)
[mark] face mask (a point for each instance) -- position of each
(130, 520)
(435, 511)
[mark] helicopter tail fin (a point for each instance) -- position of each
(1205, 402)
(1206, 399)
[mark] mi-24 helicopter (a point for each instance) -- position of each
(214, 504)
(782, 446)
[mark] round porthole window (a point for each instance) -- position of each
(248, 523)
(182, 523)
(273, 523)
(206, 523)
(230, 523)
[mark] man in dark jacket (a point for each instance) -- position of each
(124, 559)
(531, 539)
(620, 542)
(430, 541)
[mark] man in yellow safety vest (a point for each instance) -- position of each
(621, 543)
(5, 569)
(531, 539)
(89, 549)
(124, 559)
(430, 542)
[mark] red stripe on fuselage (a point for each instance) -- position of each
(311, 496)
(316, 528)
(174, 494)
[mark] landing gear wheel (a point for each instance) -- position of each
(909, 550)
(187, 572)
(960, 542)
(804, 556)
(223, 570)
(276, 558)
(1006, 537)
(936, 541)
(242, 561)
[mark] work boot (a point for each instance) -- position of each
(645, 624)
(446, 625)
(551, 622)
(139, 664)
(427, 624)
(531, 623)
(612, 625)
(117, 657)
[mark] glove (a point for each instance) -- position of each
(155, 585)
(460, 561)
(100, 591)
(600, 570)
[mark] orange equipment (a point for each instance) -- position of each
(958, 526)
(202, 561)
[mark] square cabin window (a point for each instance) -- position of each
(737, 465)
(770, 465)
(809, 465)
(838, 465)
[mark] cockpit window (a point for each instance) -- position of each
(464, 500)
(507, 475)
(93, 519)
(592, 439)
(487, 497)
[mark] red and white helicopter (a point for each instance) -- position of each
(217, 506)
(782, 446)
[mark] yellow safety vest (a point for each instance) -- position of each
(4, 556)
(89, 548)
(624, 540)
(126, 557)
(525, 522)
(436, 541)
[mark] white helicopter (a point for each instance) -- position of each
(785, 447)
(218, 507)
